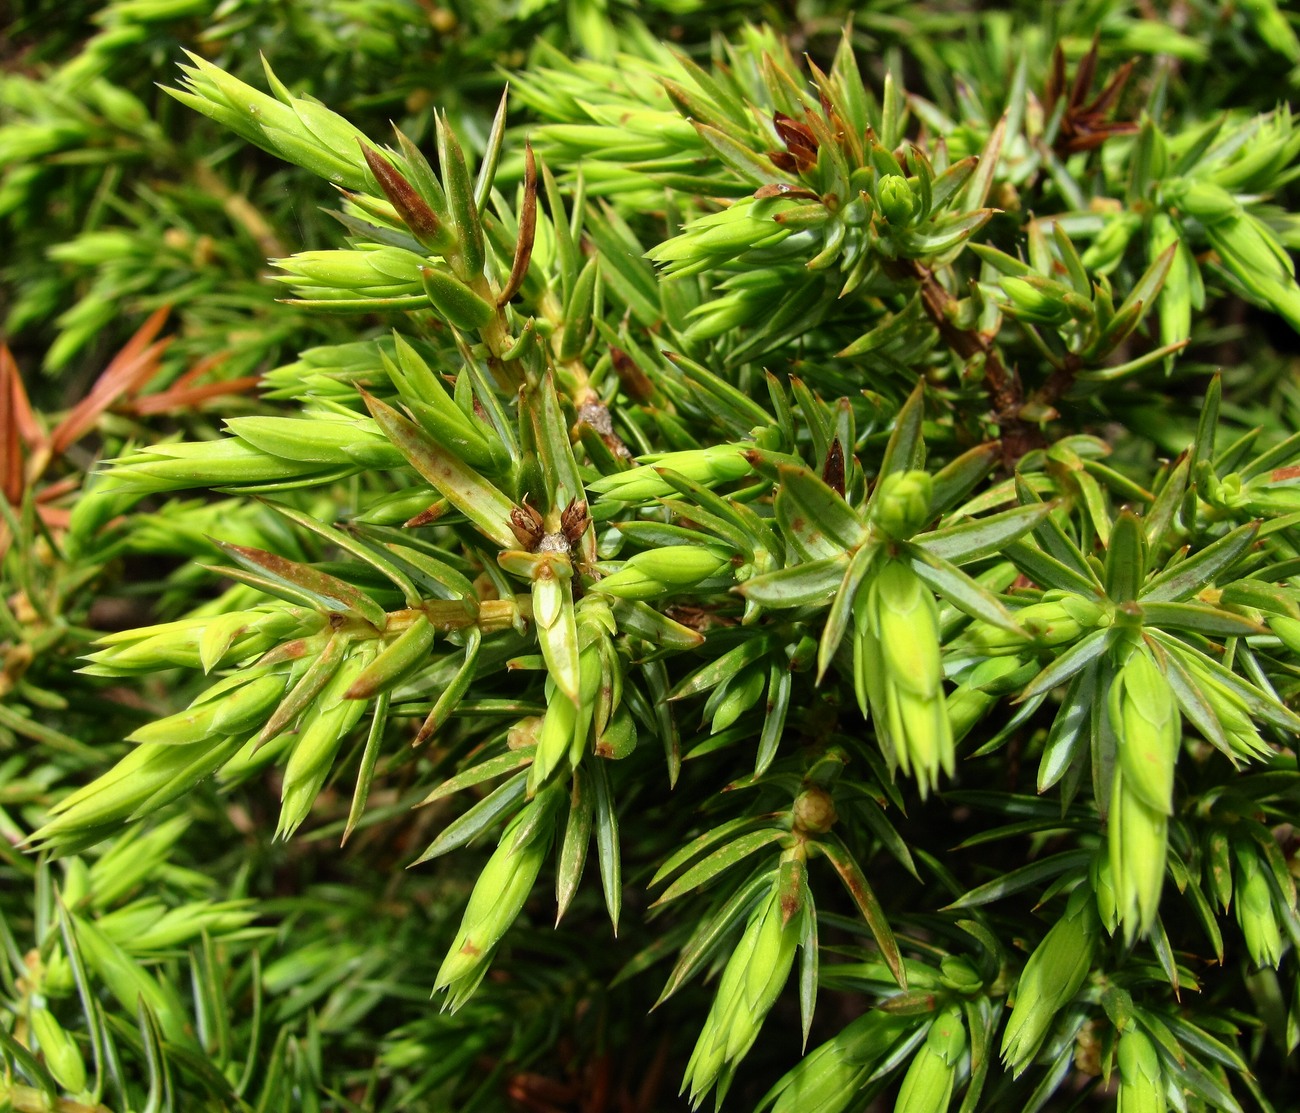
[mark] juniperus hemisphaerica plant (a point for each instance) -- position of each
(847, 530)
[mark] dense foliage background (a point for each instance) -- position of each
(964, 598)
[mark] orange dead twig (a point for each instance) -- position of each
(28, 427)
(11, 441)
(26, 451)
(127, 373)
(52, 491)
(195, 373)
(55, 517)
(178, 398)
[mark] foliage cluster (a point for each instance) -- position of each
(820, 496)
